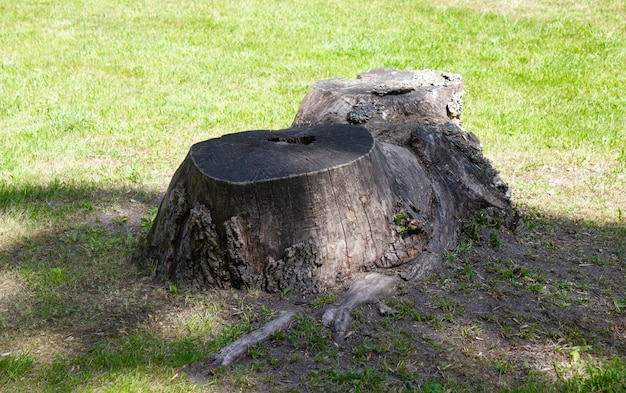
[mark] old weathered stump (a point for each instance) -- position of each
(308, 208)
(303, 208)
(390, 103)
(311, 207)
(438, 169)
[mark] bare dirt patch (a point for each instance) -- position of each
(544, 301)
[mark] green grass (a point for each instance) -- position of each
(101, 100)
(115, 92)
(609, 377)
(15, 367)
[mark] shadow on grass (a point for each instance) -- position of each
(68, 293)
(73, 310)
(547, 302)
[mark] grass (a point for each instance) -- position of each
(100, 101)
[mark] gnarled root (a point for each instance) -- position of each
(235, 350)
(368, 290)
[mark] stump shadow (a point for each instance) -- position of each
(527, 299)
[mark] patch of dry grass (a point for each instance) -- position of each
(575, 184)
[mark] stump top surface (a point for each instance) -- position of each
(261, 155)
(388, 81)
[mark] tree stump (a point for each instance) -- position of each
(310, 207)
(390, 103)
(303, 208)
(438, 169)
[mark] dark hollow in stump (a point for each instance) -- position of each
(311, 207)
(303, 208)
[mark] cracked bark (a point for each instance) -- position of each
(438, 171)
(376, 174)
(306, 209)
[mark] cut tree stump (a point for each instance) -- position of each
(390, 103)
(439, 172)
(303, 208)
(375, 174)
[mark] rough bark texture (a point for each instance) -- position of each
(310, 207)
(439, 172)
(303, 208)
(390, 103)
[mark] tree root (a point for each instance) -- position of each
(367, 290)
(235, 350)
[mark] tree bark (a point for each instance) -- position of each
(311, 207)
(304, 208)
(390, 103)
(439, 172)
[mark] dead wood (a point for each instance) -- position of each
(369, 290)
(439, 173)
(237, 349)
(376, 174)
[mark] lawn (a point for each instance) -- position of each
(101, 100)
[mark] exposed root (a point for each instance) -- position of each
(235, 350)
(368, 290)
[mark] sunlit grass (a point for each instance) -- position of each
(114, 94)
(100, 102)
